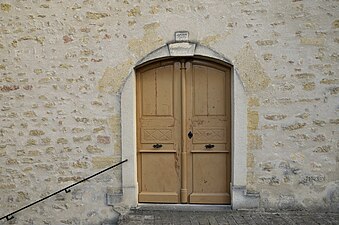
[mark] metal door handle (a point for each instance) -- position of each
(157, 146)
(209, 146)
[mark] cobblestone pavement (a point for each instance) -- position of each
(227, 217)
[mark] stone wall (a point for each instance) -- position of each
(63, 65)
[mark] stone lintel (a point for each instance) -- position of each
(182, 49)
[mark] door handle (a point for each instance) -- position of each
(209, 146)
(157, 146)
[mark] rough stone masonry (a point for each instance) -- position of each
(63, 65)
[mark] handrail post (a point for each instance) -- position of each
(9, 217)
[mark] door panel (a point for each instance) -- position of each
(158, 103)
(157, 91)
(164, 90)
(205, 95)
(208, 90)
(209, 182)
(156, 167)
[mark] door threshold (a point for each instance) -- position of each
(181, 207)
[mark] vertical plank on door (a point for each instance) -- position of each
(164, 90)
(200, 82)
(148, 93)
(216, 92)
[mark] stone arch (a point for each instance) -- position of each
(240, 198)
(182, 49)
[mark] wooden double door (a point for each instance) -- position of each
(184, 132)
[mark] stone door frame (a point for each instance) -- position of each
(239, 196)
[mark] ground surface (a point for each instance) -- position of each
(162, 217)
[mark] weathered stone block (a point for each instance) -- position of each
(312, 41)
(323, 149)
(8, 88)
(68, 179)
(295, 126)
(36, 132)
(33, 153)
(5, 7)
(252, 120)
(182, 49)
(67, 39)
(38, 71)
(267, 56)
(113, 198)
(250, 160)
(271, 180)
(44, 166)
(304, 76)
(82, 139)
(288, 202)
(31, 142)
(80, 164)
(102, 162)
(319, 138)
(303, 115)
(309, 86)
(329, 81)
(12, 162)
(254, 141)
(98, 129)
(320, 123)
(252, 74)
(2, 151)
(310, 179)
(7, 186)
(335, 24)
(334, 91)
(93, 149)
(253, 102)
(103, 139)
(334, 121)
(244, 200)
(62, 141)
(267, 166)
(275, 117)
(266, 42)
(134, 11)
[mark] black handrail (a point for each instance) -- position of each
(66, 189)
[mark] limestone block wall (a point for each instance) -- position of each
(63, 65)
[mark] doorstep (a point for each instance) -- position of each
(181, 207)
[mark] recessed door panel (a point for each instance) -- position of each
(157, 91)
(156, 167)
(209, 182)
(172, 163)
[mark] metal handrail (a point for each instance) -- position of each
(66, 189)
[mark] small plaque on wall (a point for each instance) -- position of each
(181, 36)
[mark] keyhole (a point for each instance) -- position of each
(190, 135)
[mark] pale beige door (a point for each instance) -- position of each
(183, 133)
(159, 136)
(208, 117)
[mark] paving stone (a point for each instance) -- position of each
(228, 218)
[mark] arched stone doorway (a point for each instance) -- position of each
(239, 196)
